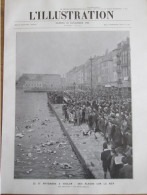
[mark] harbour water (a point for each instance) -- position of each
(42, 151)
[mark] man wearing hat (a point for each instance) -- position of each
(106, 158)
(126, 170)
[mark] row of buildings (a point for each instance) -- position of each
(109, 70)
(103, 70)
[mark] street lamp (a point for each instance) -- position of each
(119, 82)
(74, 84)
(91, 59)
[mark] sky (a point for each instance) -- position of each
(58, 52)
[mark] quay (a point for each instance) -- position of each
(87, 148)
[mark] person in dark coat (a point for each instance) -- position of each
(83, 115)
(106, 159)
(117, 137)
(116, 162)
(126, 170)
(90, 121)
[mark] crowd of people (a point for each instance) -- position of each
(110, 115)
(55, 97)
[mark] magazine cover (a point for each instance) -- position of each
(74, 100)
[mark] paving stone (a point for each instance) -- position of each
(90, 151)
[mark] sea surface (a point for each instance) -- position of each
(42, 151)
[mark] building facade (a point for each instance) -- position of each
(40, 81)
(103, 69)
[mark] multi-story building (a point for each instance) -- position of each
(103, 69)
(108, 69)
(51, 81)
(76, 76)
(124, 49)
(40, 81)
(71, 77)
(33, 84)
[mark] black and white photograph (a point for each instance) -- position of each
(73, 115)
